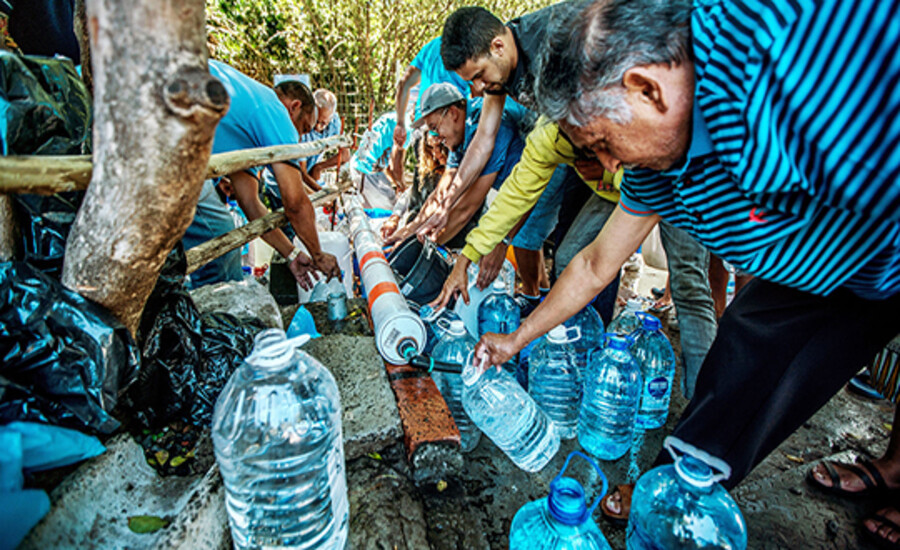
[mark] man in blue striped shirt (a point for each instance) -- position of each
(770, 131)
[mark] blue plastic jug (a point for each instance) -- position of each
(456, 347)
(682, 505)
(609, 405)
(656, 358)
(562, 520)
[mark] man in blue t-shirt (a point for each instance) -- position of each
(449, 115)
(328, 124)
(260, 117)
(426, 69)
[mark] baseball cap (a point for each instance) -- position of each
(436, 97)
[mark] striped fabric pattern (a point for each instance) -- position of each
(801, 103)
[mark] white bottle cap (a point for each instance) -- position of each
(634, 305)
(457, 327)
(557, 334)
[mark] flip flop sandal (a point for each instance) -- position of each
(877, 539)
(866, 471)
(621, 518)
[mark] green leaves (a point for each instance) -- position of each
(146, 524)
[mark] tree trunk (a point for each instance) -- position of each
(84, 44)
(155, 111)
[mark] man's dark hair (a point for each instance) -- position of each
(467, 35)
(294, 89)
(589, 49)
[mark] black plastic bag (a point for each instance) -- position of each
(47, 107)
(46, 111)
(63, 359)
(186, 357)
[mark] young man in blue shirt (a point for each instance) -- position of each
(260, 117)
(760, 129)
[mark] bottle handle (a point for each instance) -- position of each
(577, 336)
(443, 323)
(677, 447)
(590, 461)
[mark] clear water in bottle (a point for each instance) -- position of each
(627, 321)
(555, 381)
(522, 368)
(609, 405)
(590, 325)
(455, 347)
(499, 313)
(656, 358)
(562, 520)
(277, 437)
(435, 329)
(682, 505)
(509, 417)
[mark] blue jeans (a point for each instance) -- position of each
(689, 278)
(212, 219)
(543, 217)
(584, 229)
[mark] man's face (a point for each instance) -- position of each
(487, 73)
(304, 120)
(643, 142)
(324, 119)
(449, 124)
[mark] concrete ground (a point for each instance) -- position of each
(470, 509)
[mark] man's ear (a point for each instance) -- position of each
(498, 46)
(644, 86)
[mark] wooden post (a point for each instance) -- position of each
(9, 230)
(155, 112)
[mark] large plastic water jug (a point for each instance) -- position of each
(609, 405)
(499, 313)
(498, 405)
(656, 358)
(555, 380)
(277, 437)
(435, 329)
(455, 347)
(562, 520)
(469, 312)
(627, 321)
(590, 325)
(682, 505)
(336, 243)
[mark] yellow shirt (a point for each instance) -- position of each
(545, 149)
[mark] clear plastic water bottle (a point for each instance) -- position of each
(682, 505)
(455, 347)
(277, 437)
(609, 405)
(469, 312)
(627, 321)
(509, 417)
(555, 381)
(562, 520)
(499, 313)
(433, 327)
(656, 358)
(590, 324)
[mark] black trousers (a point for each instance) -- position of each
(779, 355)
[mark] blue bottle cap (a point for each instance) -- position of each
(649, 322)
(566, 501)
(617, 341)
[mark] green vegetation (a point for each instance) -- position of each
(356, 48)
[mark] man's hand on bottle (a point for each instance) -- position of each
(496, 349)
(457, 283)
(328, 265)
(304, 271)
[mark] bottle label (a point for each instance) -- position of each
(658, 387)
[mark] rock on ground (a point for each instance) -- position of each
(243, 299)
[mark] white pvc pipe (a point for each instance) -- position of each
(399, 333)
